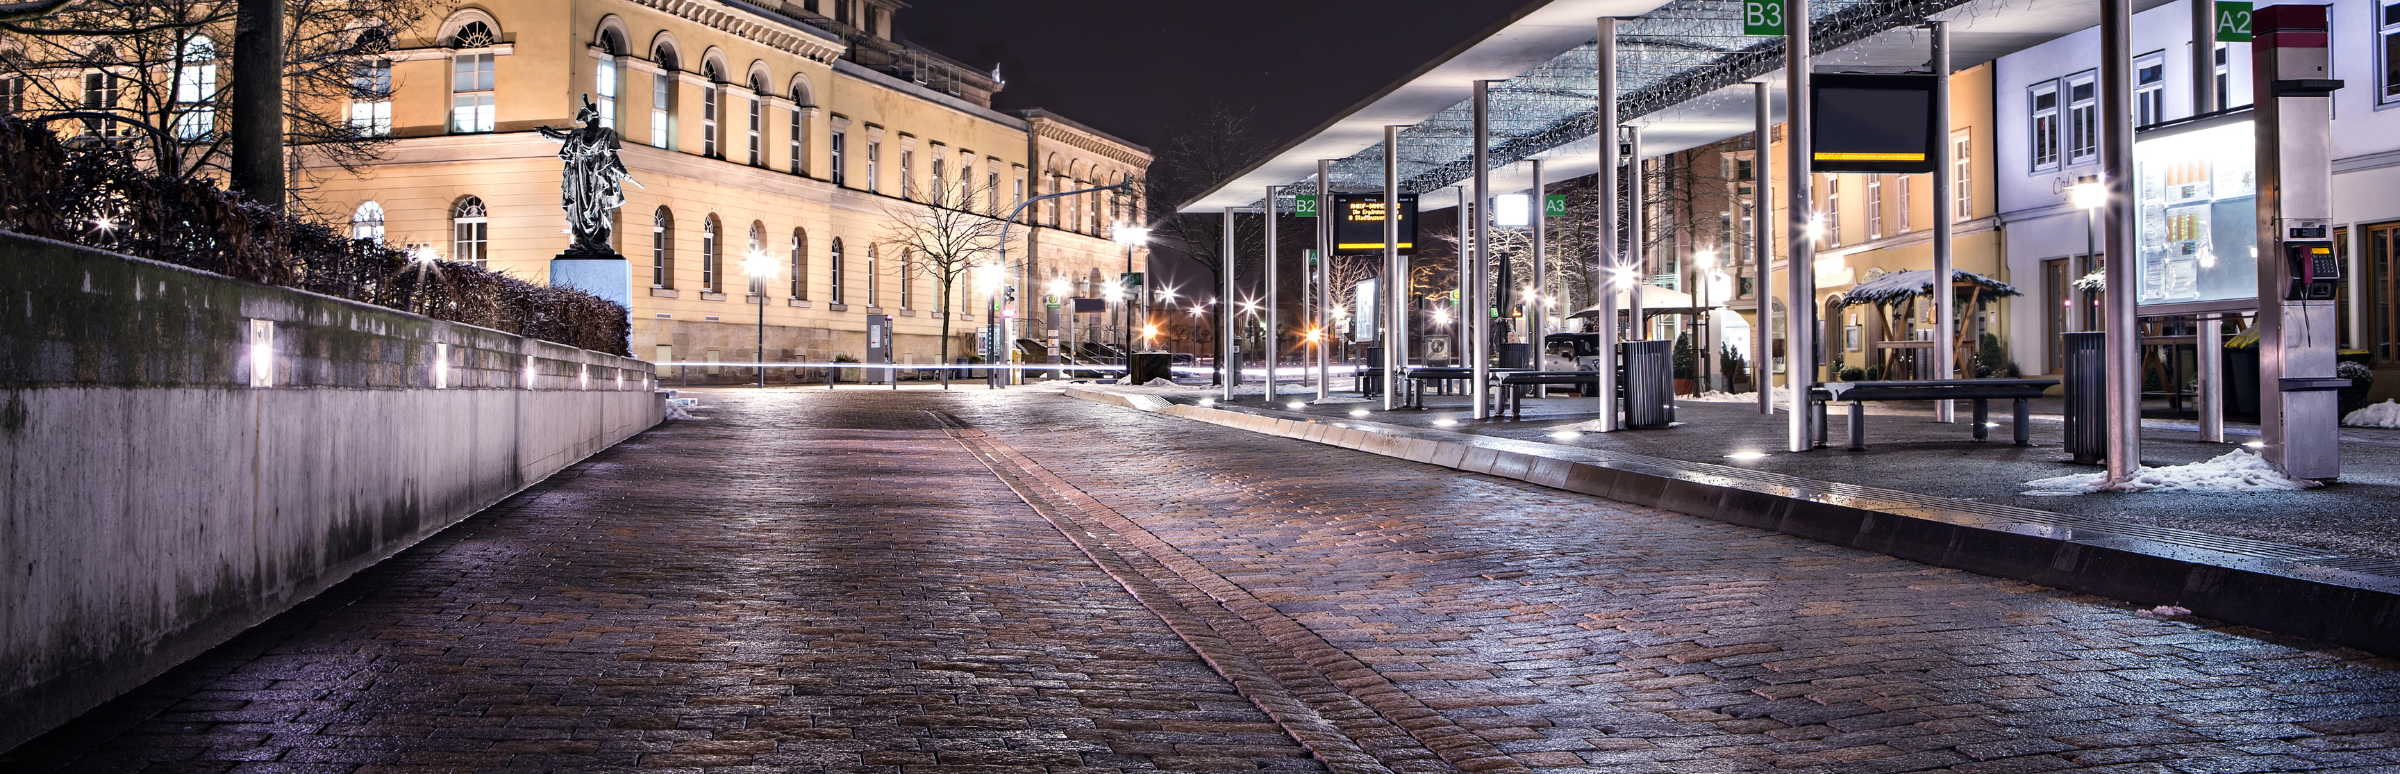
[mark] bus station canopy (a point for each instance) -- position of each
(1683, 73)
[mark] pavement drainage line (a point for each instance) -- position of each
(1334, 674)
(2340, 601)
(1301, 713)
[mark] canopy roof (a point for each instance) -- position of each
(1682, 70)
(1900, 286)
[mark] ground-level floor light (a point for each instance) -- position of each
(1746, 456)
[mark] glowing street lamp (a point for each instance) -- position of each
(761, 269)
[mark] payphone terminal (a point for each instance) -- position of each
(2314, 268)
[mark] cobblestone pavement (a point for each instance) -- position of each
(1017, 581)
(801, 584)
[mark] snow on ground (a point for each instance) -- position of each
(677, 411)
(1170, 388)
(1713, 396)
(2239, 470)
(2385, 414)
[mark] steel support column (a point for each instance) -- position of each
(1636, 329)
(1229, 369)
(1800, 311)
(1395, 276)
(1535, 302)
(1945, 213)
(2121, 352)
(1324, 275)
(1762, 249)
(1607, 264)
(1273, 345)
(1478, 284)
(2204, 56)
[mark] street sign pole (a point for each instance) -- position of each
(1395, 274)
(1229, 359)
(1534, 301)
(1323, 272)
(1479, 289)
(1762, 249)
(1800, 369)
(1605, 274)
(1273, 351)
(1945, 299)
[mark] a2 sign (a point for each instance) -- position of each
(1766, 18)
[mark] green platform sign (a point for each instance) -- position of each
(1554, 206)
(1304, 206)
(2233, 22)
(1762, 17)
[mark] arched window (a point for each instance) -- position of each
(758, 147)
(802, 101)
(662, 98)
(605, 78)
(196, 89)
(751, 261)
(371, 98)
(871, 299)
(662, 249)
(834, 256)
(367, 223)
(800, 264)
(711, 97)
(470, 232)
(712, 239)
(471, 79)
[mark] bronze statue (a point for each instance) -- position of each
(588, 189)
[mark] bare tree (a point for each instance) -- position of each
(941, 235)
(21, 12)
(152, 73)
(1212, 147)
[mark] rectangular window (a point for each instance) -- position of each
(2150, 88)
(938, 197)
(799, 141)
(1962, 184)
(371, 99)
(2225, 74)
(661, 109)
(993, 193)
(196, 96)
(2083, 119)
(605, 82)
(2056, 302)
(1874, 207)
(758, 149)
(2387, 32)
(12, 96)
(471, 239)
(471, 84)
(840, 173)
(100, 95)
(1900, 226)
(2044, 101)
(661, 275)
(908, 175)
(708, 120)
(2382, 276)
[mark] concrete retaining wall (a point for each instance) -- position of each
(187, 455)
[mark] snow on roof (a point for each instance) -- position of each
(1900, 286)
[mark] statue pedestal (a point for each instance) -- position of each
(608, 277)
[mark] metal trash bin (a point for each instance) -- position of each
(1516, 355)
(1649, 383)
(1145, 366)
(2087, 397)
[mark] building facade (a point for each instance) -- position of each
(794, 139)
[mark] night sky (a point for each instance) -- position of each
(1132, 69)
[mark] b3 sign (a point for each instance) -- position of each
(1763, 17)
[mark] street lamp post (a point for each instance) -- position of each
(760, 270)
(1702, 262)
(1129, 236)
(2089, 194)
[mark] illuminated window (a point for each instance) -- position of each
(2083, 119)
(834, 146)
(367, 223)
(2150, 88)
(662, 99)
(371, 98)
(834, 264)
(662, 249)
(196, 90)
(2387, 33)
(2044, 99)
(470, 232)
(1962, 184)
(472, 79)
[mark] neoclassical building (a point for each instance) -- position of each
(798, 130)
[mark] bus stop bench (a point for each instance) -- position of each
(1441, 377)
(1514, 386)
(1981, 391)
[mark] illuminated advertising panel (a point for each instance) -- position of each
(1358, 224)
(2196, 193)
(1370, 309)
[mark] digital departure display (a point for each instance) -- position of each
(1872, 123)
(1358, 224)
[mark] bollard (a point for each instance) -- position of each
(2087, 405)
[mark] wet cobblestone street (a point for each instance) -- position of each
(1017, 581)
